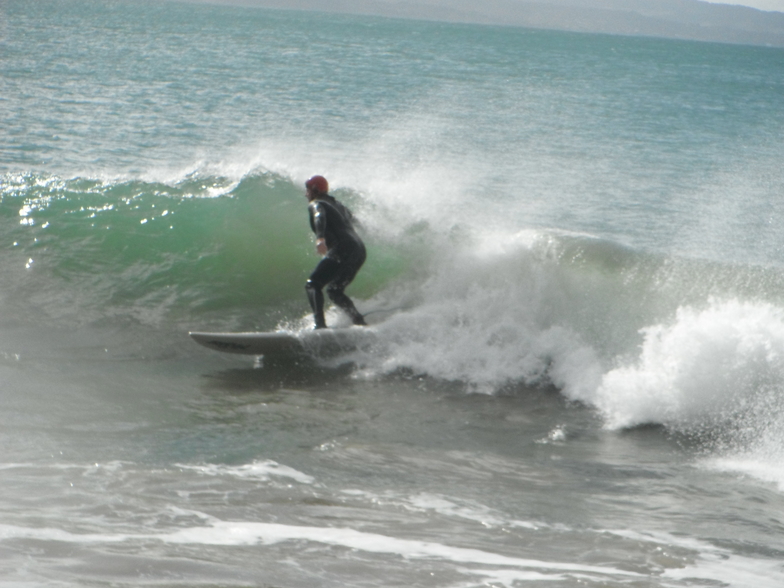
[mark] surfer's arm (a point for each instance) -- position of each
(318, 218)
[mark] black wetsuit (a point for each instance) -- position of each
(332, 221)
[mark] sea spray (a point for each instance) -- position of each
(718, 364)
(494, 312)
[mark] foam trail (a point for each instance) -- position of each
(261, 470)
(243, 533)
(711, 563)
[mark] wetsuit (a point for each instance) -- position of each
(332, 221)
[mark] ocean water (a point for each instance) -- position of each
(575, 275)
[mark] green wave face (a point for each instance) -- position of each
(197, 250)
(132, 247)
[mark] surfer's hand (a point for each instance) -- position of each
(321, 246)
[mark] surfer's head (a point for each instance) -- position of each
(317, 186)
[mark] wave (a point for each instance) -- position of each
(641, 337)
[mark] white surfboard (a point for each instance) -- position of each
(319, 343)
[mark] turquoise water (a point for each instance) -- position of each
(575, 270)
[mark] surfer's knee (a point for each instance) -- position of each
(311, 286)
(335, 292)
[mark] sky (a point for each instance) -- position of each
(777, 5)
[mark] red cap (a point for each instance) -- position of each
(318, 183)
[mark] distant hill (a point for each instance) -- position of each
(678, 19)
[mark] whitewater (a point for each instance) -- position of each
(574, 278)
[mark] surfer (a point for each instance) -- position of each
(342, 250)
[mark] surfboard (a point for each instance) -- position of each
(318, 343)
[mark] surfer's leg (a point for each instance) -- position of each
(316, 299)
(324, 272)
(346, 273)
(344, 302)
